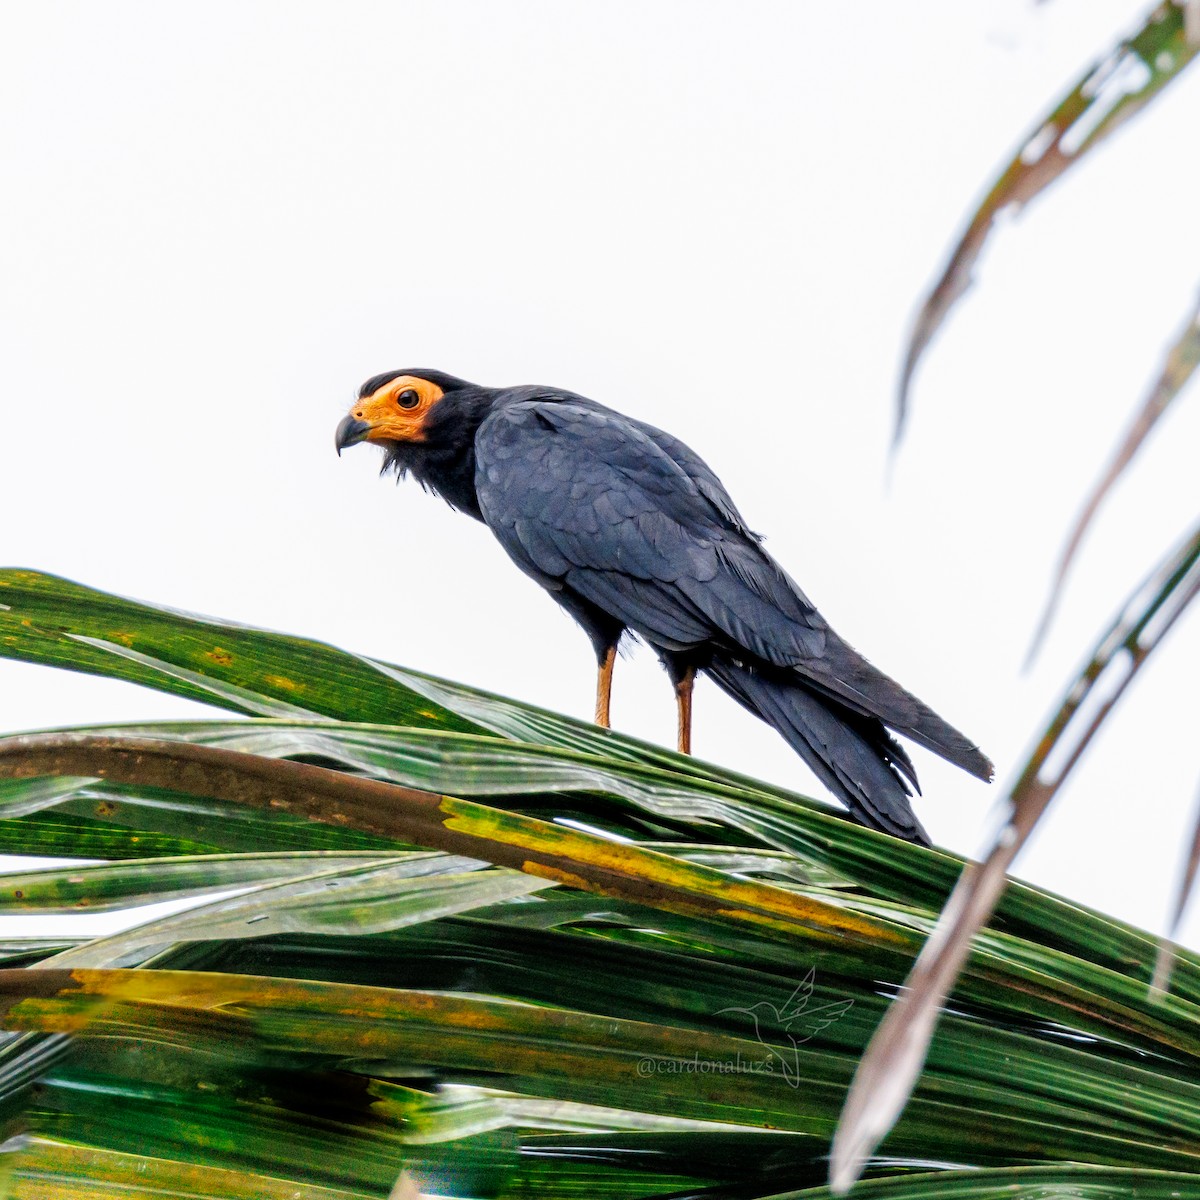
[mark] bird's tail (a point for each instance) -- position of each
(846, 677)
(853, 755)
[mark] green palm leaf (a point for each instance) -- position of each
(511, 955)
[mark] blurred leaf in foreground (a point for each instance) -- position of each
(1113, 90)
(1181, 361)
(893, 1060)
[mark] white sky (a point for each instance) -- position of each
(715, 216)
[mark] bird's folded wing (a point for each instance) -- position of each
(584, 498)
(701, 474)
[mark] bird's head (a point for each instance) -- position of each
(425, 423)
(400, 408)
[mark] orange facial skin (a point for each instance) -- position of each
(397, 411)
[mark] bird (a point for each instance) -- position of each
(632, 533)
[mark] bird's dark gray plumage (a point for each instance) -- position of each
(629, 529)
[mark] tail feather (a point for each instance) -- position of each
(852, 754)
(843, 674)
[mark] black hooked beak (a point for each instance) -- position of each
(350, 432)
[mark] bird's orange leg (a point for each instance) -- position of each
(604, 686)
(683, 698)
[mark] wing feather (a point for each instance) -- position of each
(636, 524)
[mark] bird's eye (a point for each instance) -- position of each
(408, 398)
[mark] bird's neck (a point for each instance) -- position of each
(445, 462)
(450, 476)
